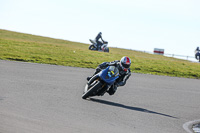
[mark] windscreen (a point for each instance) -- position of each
(113, 71)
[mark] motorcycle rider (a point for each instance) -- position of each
(124, 72)
(99, 43)
(197, 52)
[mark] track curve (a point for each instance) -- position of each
(40, 98)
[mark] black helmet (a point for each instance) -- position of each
(100, 33)
(125, 63)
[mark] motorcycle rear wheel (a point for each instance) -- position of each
(92, 47)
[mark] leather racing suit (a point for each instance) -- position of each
(99, 43)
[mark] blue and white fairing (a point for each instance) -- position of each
(109, 75)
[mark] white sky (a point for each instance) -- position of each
(173, 25)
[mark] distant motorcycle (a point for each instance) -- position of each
(103, 48)
(101, 82)
(197, 55)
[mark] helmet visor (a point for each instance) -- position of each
(126, 65)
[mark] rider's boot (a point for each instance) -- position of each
(112, 89)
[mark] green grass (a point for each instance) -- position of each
(31, 48)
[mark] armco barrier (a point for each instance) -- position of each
(184, 57)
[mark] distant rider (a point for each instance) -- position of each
(197, 52)
(124, 72)
(99, 43)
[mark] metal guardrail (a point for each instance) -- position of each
(174, 55)
(184, 57)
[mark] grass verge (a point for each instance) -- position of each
(30, 48)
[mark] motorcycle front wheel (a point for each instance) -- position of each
(91, 89)
(106, 50)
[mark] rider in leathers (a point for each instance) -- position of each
(99, 43)
(197, 52)
(124, 72)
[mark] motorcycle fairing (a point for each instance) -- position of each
(109, 75)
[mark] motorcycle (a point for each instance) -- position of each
(100, 83)
(103, 48)
(197, 55)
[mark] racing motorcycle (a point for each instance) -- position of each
(101, 82)
(103, 48)
(198, 55)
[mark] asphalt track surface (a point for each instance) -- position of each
(40, 98)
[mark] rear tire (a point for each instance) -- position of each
(92, 90)
(91, 47)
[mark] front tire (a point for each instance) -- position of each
(92, 90)
(106, 50)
